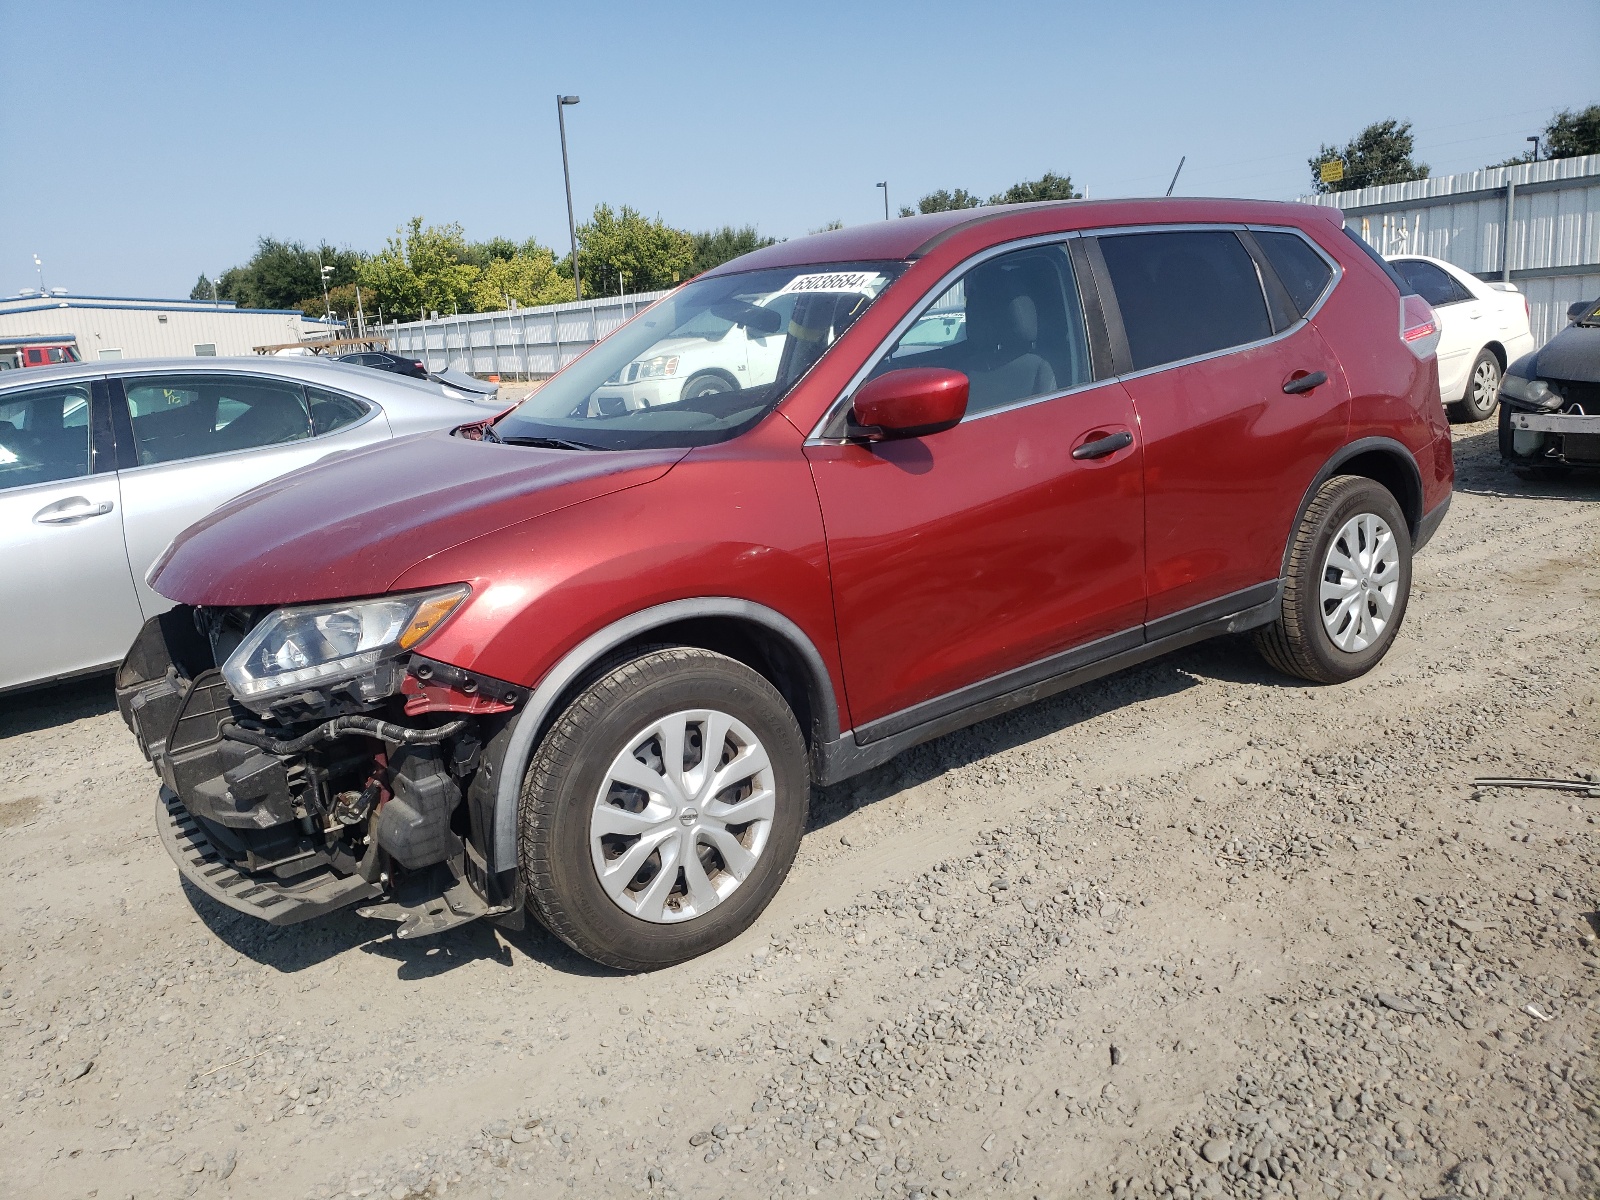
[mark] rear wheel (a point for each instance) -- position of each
(1346, 588)
(663, 809)
(1478, 402)
(709, 383)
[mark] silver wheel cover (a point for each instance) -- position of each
(1485, 385)
(1360, 582)
(682, 816)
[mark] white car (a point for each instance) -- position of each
(1482, 328)
(103, 464)
(714, 353)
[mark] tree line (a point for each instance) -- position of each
(423, 269)
(1384, 152)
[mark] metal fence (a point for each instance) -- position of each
(1535, 224)
(529, 342)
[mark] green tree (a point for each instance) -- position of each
(422, 269)
(1049, 186)
(529, 279)
(1381, 153)
(651, 254)
(714, 247)
(1571, 134)
(942, 201)
(202, 288)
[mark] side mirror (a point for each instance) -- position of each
(909, 403)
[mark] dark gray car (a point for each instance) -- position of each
(1550, 401)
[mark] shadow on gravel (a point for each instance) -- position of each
(1506, 484)
(1232, 659)
(57, 704)
(292, 948)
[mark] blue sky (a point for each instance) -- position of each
(145, 143)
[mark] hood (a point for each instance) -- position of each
(354, 522)
(1573, 354)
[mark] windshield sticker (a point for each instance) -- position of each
(865, 282)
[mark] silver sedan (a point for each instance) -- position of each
(102, 464)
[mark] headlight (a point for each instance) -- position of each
(658, 367)
(1530, 391)
(296, 649)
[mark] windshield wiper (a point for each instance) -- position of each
(546, 443)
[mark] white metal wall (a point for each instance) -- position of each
(143, 333)
(530, 341)
(1552, 209)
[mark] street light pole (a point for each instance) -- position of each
(39, 266)
(325, 272)
(566, 174)
(1535, 140)
(885, 186)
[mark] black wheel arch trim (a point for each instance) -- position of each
(531, 722)
(1410, 505)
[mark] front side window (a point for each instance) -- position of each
(1012, 325)
(702, 365)
(1185, 293)
(44, 435)
(1431, 283)
(186, 416)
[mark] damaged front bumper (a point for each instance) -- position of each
(1569, 438)
(287, 823)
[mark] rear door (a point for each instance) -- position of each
(196, 440)
(1212, 336)
(65, 587)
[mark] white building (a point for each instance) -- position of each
(110, 327)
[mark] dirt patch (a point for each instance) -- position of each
(1191, 931)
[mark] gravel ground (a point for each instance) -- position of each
(1191, 931)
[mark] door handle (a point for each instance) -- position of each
(1304, 383)
(56, 514)
(1101, 447)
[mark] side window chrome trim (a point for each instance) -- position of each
(817, 438)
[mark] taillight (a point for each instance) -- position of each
(1419, 328)
(1527, 311)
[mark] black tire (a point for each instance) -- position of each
(1527, 466)
(565, 776)
(708, 383)
(1298, 642)
(1482, 394)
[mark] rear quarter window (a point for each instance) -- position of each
(1303, 272)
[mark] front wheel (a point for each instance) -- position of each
(1346, 588)
(663, 809)
(1478, 402)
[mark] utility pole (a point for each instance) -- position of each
(885, 186)
(566, 174)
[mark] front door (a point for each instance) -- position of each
(65, 589)
(1232, 438)
(967, 553)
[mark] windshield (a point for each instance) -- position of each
(704, 364)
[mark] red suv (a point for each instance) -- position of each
(835, 498)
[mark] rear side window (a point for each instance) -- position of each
(1185, 293)
(330, 411)
(44, 435)
(186, 416)
(1432, 284)
(1303, 272)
